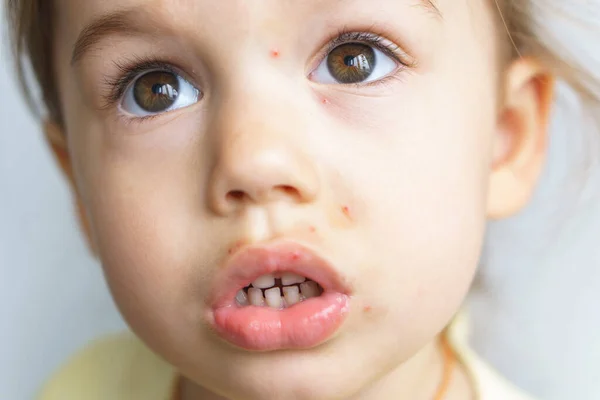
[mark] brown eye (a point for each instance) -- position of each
(159, 91)
(156, 91)
(357, 61)
(351, 62)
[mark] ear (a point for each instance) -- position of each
(58, 143)
(520, 143)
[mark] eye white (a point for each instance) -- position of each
(384, 65)
(186, 96)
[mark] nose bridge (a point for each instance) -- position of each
(260, 157)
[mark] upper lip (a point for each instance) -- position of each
(253, 261)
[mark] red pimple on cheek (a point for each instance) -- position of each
(324, 101)
(275, 53)
(346, 211)
(367, 309)
(312, 229)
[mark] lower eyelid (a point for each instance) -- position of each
(394, 76)
(155, 120)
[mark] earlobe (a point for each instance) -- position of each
(520, 142)
(57, 141)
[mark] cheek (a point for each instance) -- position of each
(145, 204)
(421, 196)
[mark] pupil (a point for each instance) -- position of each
(161, 89)
(157, 89)
(349, 61)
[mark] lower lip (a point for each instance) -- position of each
(304, 325)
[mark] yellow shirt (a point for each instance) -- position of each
(120, 367)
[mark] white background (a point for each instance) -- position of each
(537, 304)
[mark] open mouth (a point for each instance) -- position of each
(278, 296)
(278, 291)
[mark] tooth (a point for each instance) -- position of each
(274, 299)
(264, 282)
(242, 298)
(288, 278)
(256, 297)
(291, 295)
(309, 289)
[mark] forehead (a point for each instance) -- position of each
(75, 15)
(231, 23)
(94, 7)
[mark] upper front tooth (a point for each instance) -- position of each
(264, 282)
(288, 278)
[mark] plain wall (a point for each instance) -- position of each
(535, 306)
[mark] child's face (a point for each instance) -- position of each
(253, 140)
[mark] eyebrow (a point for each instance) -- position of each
(127, 22)
(137, 20)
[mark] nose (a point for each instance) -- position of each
(260, 159)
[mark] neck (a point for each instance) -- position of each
(417, 379)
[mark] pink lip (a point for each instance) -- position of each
(304, 325)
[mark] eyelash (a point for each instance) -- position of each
(389, 48)
(131, 69)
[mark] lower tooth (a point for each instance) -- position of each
(291, 294)
(256, 297)
(242, 298)
(274, 299)
(309, 289)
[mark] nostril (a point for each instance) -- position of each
(261, 194)
(288, 190)
(236, 195)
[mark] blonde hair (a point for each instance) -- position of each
(526, 23)
(533, 28)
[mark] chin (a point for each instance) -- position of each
(292, 376)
